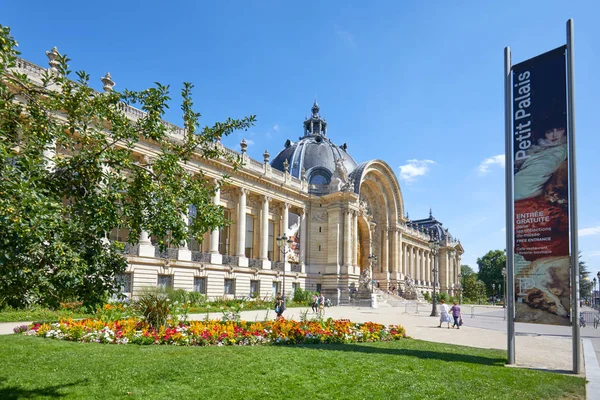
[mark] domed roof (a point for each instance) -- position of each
(313, 154)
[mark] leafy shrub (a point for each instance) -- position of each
(155, 308)
(443, 296)
(427, 297)
(302, 296)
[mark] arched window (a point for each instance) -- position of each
(319, 176)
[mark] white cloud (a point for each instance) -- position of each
(595, 253)
(589, 231)
(275, 128)
(345, 36)
(485, 165)
(415, 168)
(503, 230)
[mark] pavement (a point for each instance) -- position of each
(545, 347)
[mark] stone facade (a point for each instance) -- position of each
(340, 215)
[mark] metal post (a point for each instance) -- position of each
(573, 197)
(510, 251)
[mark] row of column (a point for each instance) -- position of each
(418, 263)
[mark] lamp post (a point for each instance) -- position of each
(493, 294)
(504, 294)
(460, 287)
(434, 245)
(598, 275)
(372, 261)
(285, 246)
(594, 293)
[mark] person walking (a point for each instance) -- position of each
(279, 305)
(444, 315)
(456, 315)
(315, 303)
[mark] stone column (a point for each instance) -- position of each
(303, 240)
(355, 243)
(284, 228)
(241, 247)
(395, 252)
(413, 271)
(214, 235)
(264, 229)
(347, 241)
(418, 271)
(385, 248)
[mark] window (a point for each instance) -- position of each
(165, 282)
(319, 287)
(319, 177)
(229, 286)
(200, 285)
(271, 239)
(295, 286)
(224, 236)
(319, 229)
(249, 236)
(275, 289)
(119, 235)
(254, 288)
(124, 283)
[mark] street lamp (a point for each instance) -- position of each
(493, 294)
(594, 293)
(372, 260)
(285, 246)
(434, 245)
(460, 287)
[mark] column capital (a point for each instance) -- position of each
(267, 199)
(285, 205)
(243, 191)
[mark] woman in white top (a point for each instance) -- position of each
(444, 314)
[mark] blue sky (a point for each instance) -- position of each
(418, 85)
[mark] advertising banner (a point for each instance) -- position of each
(541, 189)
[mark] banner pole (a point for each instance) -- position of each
(573, 201)
(510, 251)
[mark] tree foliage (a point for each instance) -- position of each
(585, 284)
(490, 270)
(72, 171)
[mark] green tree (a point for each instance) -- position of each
(55, 211)
(585, 285)
(490, 269)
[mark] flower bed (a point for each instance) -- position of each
(214, 332)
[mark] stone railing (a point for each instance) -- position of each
(198, 256)
(168, 253)
(131, 249)
(230, 260)
(277, 266)
(254, 263)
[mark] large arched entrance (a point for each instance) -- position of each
(363, 243)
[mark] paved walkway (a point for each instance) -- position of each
(538, 346)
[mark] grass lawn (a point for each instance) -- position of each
(42, 314)
(407, 369)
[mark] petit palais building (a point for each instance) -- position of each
(342, 219)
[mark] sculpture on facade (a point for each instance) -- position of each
(410, 291)
(340, 181)
(364, 281)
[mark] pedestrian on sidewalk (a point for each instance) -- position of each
(444, 315)
(315, 303)
(279, 305)
(456, 315)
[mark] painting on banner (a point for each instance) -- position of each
(541, 197)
